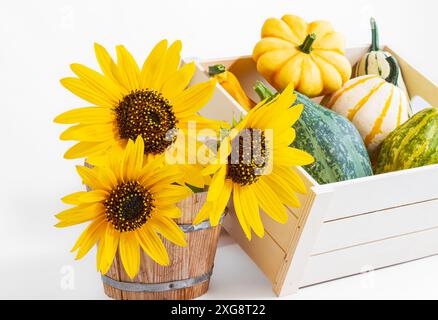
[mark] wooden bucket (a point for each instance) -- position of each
(188, 274)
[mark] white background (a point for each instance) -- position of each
(39, 39)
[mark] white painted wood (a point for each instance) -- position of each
(376, 226)
(298, 254)
(383, 191)
(376, 255)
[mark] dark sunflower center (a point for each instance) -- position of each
(248, 157)
(148, 114)
(129, 206)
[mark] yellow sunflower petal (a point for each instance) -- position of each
(107, 178)
(202, 124)
(240, 214)
(284, 138)
(172, 194)
(129, 253)
(262, 118)
(168, 229)
(152, 245)
(193, 176)
(152, 64)
(221, 203)
(89, 237)
(97, 159)
(292, 157)
(89, 133)
(94, 196)
(179, 81)
(133, 158)
(211, 169)
(293, 178)
(193, 99)
(73, 198)
(217, 184)
(101, 84)
(225, 149)
(86, 115)
(99, 254)
(283, 188)
(106, 63)
(269, 202)
(80, 89)
(126, 152)
(286, 99)
(85, 149)
(128, 68)
(204, 213)
(151, 169)
(114, 161)
(159, 179)
(112, 237)
(169, 211)
(90, 178)
(249, 204)
(168, 65)
(79, 214)
(286, 119)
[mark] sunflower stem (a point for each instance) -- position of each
(263, 91)
(216, 69)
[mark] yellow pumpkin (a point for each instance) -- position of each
(309, 55)
(374, 106)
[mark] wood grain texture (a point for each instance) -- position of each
(185, 263)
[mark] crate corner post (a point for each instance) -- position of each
(289, 277)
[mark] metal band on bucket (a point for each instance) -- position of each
(187, 228)
(156, 287)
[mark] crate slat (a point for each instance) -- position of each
(376, 255)
(383, 192)
(376, 226)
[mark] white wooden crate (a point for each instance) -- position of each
(343, 228)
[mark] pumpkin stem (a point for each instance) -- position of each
(306, 47)
(375, 46)
(263, 91)
(216, 69)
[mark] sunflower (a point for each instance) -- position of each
(153, 102)
(131, 200)
(261, 175)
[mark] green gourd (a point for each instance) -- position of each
(413, 144)
(331, 139)
(379, 62)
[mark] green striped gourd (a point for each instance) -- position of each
(379, 62)
(412, 145)
(374, 106)
(334, 142)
